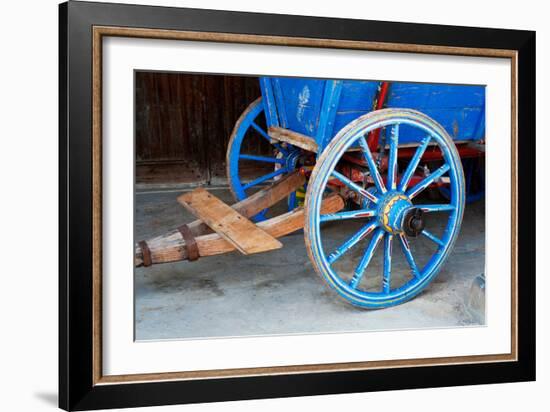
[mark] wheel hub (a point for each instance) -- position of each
(292, 159)
(392, 211)
(413, 222)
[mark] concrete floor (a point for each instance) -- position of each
(279, 292)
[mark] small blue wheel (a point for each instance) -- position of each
(395, 212)
(248, 133)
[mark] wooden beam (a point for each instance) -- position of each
(171, 248)
(248, 207)
(279, 134)
(269, 196)
(228, 223)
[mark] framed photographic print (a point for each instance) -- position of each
(259, 205)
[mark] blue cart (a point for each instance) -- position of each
(381, 146)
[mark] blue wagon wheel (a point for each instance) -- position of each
(392, 214)
(249, 131)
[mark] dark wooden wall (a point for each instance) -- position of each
(183, 124)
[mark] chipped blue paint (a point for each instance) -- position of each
(298, 99)
(281, 107)
(331, 101)
(303, 99)
(320, 108)
(269, 104)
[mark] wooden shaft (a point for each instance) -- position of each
(248, 207)
(171, 248)
(228, 223)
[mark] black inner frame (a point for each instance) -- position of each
(76, 389)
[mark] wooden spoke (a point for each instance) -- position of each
(365, 260)
(408, 255)
(413, 192)
(413, 164)
(386, 277)
(261, 131)
(264, 159)
(351, 242)
(436, 208)
(372, 165)
(350, 214)
(392, 160)
(433, 238)
(355, 187)
(265, 178)
(264, 134)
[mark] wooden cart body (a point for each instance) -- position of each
(320, 108)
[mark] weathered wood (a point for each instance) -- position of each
(228, 223)
(269, 196)
(296, 139)
(171, 248)
(183, 121)
(248, 207)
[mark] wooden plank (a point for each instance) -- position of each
(250, 206)
(229, 224)
(297, 139)
(171, 247)
(267, 197)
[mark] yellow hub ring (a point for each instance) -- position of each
(386, 212)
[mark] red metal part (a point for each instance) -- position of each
(431, 154)
(434, 153)
(358, 175)
(352, 173)
(416, 178)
